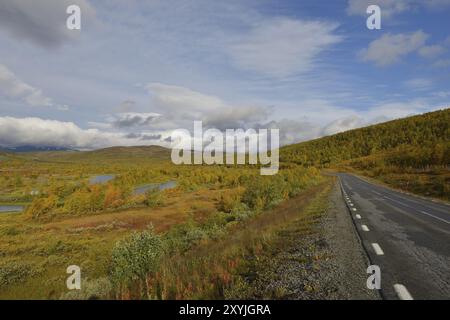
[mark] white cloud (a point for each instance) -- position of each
(179, 105)
(418, 83)
(182, 101)
(343, 124)
(447, 41)
(126, 106)
(391, 8)
(283, 46)
(443, 94)
(431, 51)
(394, 110)
(390, 48)
(12, 87)
(436, 4)
(40, 132)
(442, 63)
(42, 22)
(294, 130)
(62, 107)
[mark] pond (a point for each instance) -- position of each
(4, 209)
(101, 178)
(153, 186)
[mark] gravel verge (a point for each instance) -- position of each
(319, 256)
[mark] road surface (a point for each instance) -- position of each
(406, 236)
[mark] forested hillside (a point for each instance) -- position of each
(426, 138)
(412, 154)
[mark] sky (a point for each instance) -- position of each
(137, 70)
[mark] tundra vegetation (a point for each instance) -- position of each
(121, 238)
(412, 154)
(202, 238)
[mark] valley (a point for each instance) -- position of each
(141, 227)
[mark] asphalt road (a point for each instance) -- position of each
(406, 236)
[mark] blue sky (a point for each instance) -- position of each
(139, 69)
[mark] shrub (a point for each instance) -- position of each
(42, 206)
(113, 197)
(228, 201)
(262, 192)
(13, 273)
(98, 289)
(181, 237)
(85, 201)
(153, 198)
(135, 257)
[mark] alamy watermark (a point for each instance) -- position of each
(234, 147)
(73, 281)
(73, 22)
(374, 20)
(374, 280)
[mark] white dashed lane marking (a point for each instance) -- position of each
(402, 292)
(376, 247)
(364, 227)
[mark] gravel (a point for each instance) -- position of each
(326, 261)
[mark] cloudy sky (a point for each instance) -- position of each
(139, 69)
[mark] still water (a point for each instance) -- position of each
(153, 186)
(101, 178)
(4, 209)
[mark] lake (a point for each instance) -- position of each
(4, 209)
(101, 178)
(153, 186)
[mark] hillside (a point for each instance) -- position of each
(422, 134)
(106, 154)
(412, 154)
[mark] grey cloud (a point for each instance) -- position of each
(132, 135)
(125, 120)
(141, 136)
(236, 117)
(151, 137)
(42, 22)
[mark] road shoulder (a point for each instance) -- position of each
(349, 260)
(318, 256)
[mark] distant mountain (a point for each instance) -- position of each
(129, 152)
(28, 148)
(106, 154)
